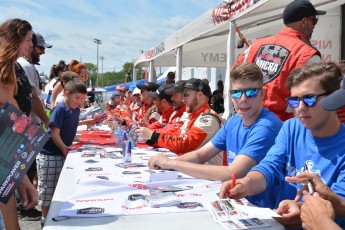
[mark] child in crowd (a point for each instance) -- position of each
(62, 128)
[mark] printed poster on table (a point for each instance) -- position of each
(20, 142)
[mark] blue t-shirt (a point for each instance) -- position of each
(67, 121)
(294, 146)
(253, 141)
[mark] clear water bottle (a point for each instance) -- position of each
(127, 152)
(119, 137)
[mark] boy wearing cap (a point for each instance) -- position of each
(200, 126)
(312, 142)
(279, 54)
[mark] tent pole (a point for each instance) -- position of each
(134, 74)
(230, 49)
(152, 74)
(179, 63)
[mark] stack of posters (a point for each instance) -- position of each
(240, 214)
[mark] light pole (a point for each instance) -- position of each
(98, 42)
(102, 58)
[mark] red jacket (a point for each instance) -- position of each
(277, 56)
(197, 129)
(163, 120)
(175, 121)
(148, 114)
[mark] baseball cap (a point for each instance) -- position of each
(123, 88)
(150, 86)
(160, 92)
(132, 87)
(44, 79)
(115, 95)
(136, 91)
(177, 88)
(198, 85)
(336, 100)
(298, 9)
(38, 40)
(171, 74)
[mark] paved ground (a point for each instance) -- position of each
(30, 225)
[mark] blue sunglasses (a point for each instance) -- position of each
(308, 100)
(250, 93)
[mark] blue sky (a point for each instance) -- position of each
(124, 26)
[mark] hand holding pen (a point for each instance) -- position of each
(309, 181)
(318, 186)
(233, 183)
(239, 188)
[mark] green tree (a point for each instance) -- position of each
(112, 77)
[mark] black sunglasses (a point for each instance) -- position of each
(308, 100)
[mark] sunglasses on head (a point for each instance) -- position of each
(250, 93)
(308, 100)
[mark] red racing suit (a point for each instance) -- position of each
(175, 121)
(197, 130)
(148, 114)
(277, 56)
(163, 120)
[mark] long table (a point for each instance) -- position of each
(67, 186)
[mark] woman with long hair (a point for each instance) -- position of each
(15, 41)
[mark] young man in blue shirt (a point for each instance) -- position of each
(246, 137)
(313, 141)
(63, 125)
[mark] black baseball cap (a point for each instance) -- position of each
(298, 9)
(177, 88)
(161, 92)
(171, 74)
(150, 86)
(336, 100)
(198, 85)
(38, 40)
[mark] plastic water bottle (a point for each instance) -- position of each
(113, 132)
(127, 152)
(119, 137)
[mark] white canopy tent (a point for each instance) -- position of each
(209, 41)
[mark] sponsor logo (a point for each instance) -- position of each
(102, 177)
(92, 210)
(271, 59)
(189, 205)
(24, 155)
(94, 169)
(91, 161)
(135, 197)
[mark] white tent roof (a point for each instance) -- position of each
(204, 40)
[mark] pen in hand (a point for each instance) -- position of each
(309, 182)
(233, 182)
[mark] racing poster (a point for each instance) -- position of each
(20, 142)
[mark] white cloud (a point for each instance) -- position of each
(124, 26)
